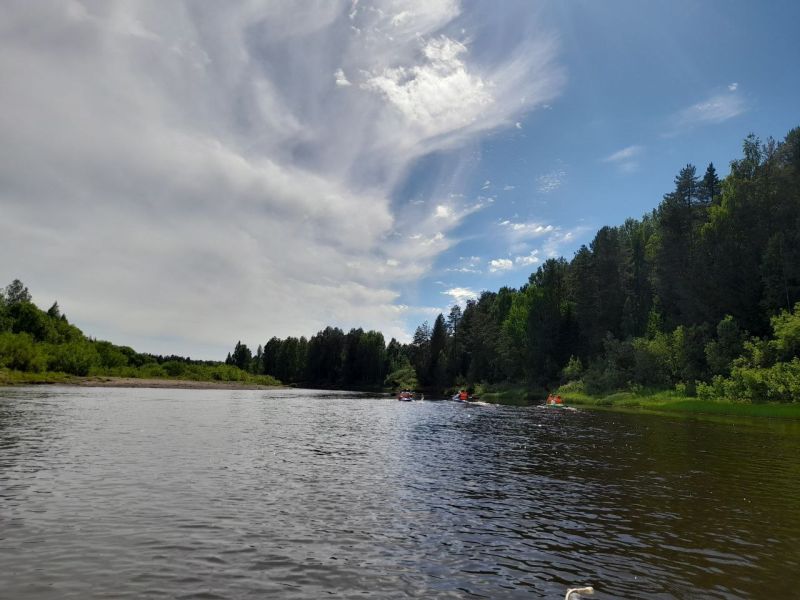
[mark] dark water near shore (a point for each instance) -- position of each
(111, 493)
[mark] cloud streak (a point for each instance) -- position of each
(184, 175)
(627, 159)
(713, 110)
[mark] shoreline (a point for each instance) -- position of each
(135, 382)
(177, 384)
(665, 402)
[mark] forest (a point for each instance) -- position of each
(38, 345)
(700, 296)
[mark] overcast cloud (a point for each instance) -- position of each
(180, 175)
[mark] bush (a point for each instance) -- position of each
(778, 383)
(404, 378)
(18, 352)
(75, 358)
(573, 370)
(573, 387)
(173, 368)
(152, 370)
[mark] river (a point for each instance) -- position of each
(131, 493)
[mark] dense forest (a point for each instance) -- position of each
(34, 341)
(700, 295)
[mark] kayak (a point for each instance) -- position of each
(469, 399)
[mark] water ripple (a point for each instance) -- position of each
(297, 494)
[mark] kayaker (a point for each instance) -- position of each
(463, 396)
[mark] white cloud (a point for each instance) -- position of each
(625, 154)
(518, 231)
(715, 109)
(550, 182)
(508, 188)
(217, 193)
(500, 264)
(466, 264)
(341, 79)
(552, 241)
(518, 125)
(438, 95)
(460, 295)
(627, 159)
(555, 245)
(443, 212)
(527, 259)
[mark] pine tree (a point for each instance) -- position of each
(709, 189)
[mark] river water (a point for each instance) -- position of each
(123, 493)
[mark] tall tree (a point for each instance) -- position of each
(437, 365)
(241, 356)
(709, 189)
(16, 293)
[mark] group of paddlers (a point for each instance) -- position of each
(554, 399)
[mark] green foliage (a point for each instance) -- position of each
(573, 370)
(404, 377)
(16, 293)
(721, 352)
(43, 346)
(786, 328)
(18, 351)
(75, 358)
(702, 292)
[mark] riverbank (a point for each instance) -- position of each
(657, 401)
(674, 402)
(13, 378)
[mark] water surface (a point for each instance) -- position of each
(112, 493)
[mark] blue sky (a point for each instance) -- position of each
(649, 89)
(183, 175)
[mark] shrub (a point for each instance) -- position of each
(18, 351)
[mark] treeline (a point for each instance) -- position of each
(35, 341)
(699, 295)
(331, 358)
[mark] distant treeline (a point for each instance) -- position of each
(699, 295)
(37, 341)
(357, 359)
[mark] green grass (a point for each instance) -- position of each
(673, 402)
(9, 377)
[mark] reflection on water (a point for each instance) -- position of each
(297, 494)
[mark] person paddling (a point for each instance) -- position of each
(463, 396)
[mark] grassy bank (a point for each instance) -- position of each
(511, 395)
(671, 401)
(12, 377)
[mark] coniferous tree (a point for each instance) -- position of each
(709, 189)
